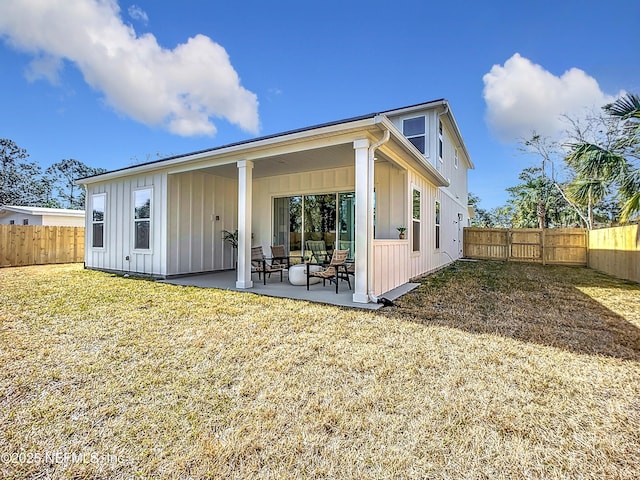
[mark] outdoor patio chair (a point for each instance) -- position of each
(263, 265)
(319, 254)
(279, 256)
(334, 272)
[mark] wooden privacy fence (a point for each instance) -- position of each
(558, 246)
(616, 251)
(39, 245)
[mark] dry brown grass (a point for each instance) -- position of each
(499, 375)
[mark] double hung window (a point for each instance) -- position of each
(142, 219)
(440, 146)
(437, 222)
(415, 233)
(97, 220)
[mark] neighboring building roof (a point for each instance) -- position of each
(434, 103)
(42, 211)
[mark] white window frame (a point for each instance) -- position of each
(423, 135)
(416, 232)
(437, 224)
(94, 222)
(135, 220)
(440, 145)
(456, 159)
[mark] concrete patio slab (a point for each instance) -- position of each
(226, 280)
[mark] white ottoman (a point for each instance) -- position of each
(298, 274)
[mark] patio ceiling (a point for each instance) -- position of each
(329, 157)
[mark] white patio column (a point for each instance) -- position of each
(245, 199)
(364, 220)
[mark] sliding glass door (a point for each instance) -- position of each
(347, 222)
(319, 220)
(327, 217)
(287, 223)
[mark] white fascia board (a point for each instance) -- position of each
(432, 174)
(245, 151)
(415, 108)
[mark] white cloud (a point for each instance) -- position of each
(138, 14)
(179, 89)
(522, 96)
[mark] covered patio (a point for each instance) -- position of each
(226, 280)
(316, 185)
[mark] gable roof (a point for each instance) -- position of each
(282, 135)
(41, 211)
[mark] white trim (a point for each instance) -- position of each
(245, 203)
(145, 251)
(440, 145)
(363, 214)
(437, 225)
(418, 252)
(104, 222)
(424, 134)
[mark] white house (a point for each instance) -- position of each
(350, 182)
(17, 215)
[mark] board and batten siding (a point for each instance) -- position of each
(391, 206)
(118, 226)
(391, 264)
(431, 258)
(200, 207)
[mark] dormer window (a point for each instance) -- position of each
(414, 129)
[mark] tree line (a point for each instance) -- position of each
(592, 179)
(24, 182)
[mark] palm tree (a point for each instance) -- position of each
(626, 107)
(599, 167)
(588, 192)
(596, 168)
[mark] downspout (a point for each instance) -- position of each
(370, 189)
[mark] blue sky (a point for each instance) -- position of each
(112, 83)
